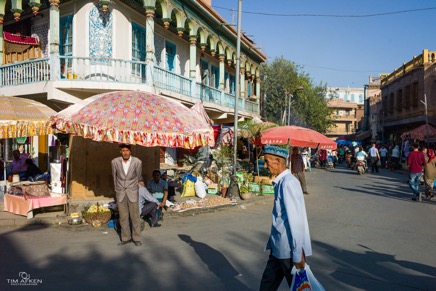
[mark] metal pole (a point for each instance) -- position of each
(238, 69)
(289, 109)
(426, 119)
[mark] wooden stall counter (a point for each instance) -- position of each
(18, 204)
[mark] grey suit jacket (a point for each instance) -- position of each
(127, 185)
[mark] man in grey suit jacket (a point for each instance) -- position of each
(127, 174)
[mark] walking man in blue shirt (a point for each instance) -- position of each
(289, 241)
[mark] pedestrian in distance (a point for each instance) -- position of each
(127, 175)
(297, 169)
(383, 155)
(430, 173)
(289, 241)
(415, 161)
(375, 157)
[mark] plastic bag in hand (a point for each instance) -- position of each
(303, 279)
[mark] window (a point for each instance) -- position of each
(360, 98)
(415, 99)
(204, 68)
(138, 49)
(352, 98)
(399, 100)
(407, 98)
(232, 84)
(170, 54)
(215, 78)
(347, 112)
(66, 43)
(66, 36)
(249, 87)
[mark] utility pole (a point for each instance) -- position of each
(238, 86)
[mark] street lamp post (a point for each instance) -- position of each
(299, 88)
(426, 118)
(238, 69)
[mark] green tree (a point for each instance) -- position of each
(283, 78)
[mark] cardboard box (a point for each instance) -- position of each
(260, 180)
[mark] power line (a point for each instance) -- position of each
(340, 70)
(331, 15)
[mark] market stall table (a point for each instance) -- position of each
(17, 204)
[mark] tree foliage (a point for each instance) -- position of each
(282, 79)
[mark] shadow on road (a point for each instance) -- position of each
(371, 270)
(217, 263)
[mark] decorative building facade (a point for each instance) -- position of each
(404, 93)
(60, 52)
(174, 48)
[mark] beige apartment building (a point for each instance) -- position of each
(346, 116)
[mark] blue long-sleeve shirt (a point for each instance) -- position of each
(290, 230)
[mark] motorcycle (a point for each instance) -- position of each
(361, 167)
(330, 164)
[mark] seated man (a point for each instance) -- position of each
(18, 165)
(33, 173)
(158, 188)
(148, 206)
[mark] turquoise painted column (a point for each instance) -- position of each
(221, 72)
(193, 63)
(258, 94)
(192, 56)
(150, 58)
(1, 43)
(2, 14)
(242, 94)
(54, 40)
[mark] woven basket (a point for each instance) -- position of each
(97, 218)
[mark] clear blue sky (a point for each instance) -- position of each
(339, 51)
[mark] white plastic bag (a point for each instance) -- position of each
(200, 188)
(305, 279)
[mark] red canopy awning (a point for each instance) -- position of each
(419, 133)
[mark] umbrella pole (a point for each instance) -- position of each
(4, 168)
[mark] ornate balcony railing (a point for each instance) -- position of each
(171, 81)
(27, 72)
(116, 71)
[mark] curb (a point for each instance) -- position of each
(61, 219)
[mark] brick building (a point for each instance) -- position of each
(403, 95)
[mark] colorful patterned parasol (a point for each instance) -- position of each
(21, 117)
(296, 136)
(136, 117)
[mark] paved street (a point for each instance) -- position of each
(366, 234)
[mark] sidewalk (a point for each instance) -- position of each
(56, 216)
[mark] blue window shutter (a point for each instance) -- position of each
(170, 54)
(138, 42)
(66, 36)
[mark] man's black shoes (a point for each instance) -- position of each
(124, 243)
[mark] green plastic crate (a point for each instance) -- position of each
(254, 187)
(267, 189)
